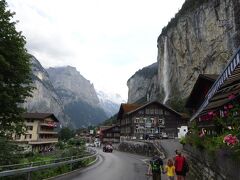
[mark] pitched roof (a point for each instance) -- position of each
(110, 128)
(200, 89)
(166, 107)
(226, 84)
(125, 108)
(129, 107)
(39, 116)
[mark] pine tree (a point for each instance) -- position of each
(15, 74)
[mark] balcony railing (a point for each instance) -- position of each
(48, 124)
(47, 132)
(44, 140)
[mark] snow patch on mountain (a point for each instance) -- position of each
(110, 102)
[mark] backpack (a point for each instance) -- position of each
(155, 165)
(185, 166)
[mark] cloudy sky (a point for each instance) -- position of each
(106, 40)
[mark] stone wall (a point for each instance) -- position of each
(210, 166)
(141, 148)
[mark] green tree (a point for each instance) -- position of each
(9, 152)
(15, 74)
(65, 134)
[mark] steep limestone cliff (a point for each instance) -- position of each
(143, 85)
(71, 85)
(200, 39)
(44, 97)
(79, 97)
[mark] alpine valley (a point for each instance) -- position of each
(70, 96)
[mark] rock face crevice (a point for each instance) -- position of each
(199, 41)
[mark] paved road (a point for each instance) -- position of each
(113, 166)
(170, 145)
(121, 166)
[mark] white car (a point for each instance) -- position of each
(164, 136)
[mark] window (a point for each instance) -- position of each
(161, 121)
(152, 120)
(151, 111)
(30, 120)
(136, 120)
(27, 136)
(144, 120)
(17, 136)
(29, 128)
(147, 111)
(141, 112)
(160, 112)
(156, 111)
(167, 113)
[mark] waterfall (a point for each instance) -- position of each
(165, 72)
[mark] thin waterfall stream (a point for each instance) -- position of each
(165, 72)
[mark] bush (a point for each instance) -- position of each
(76, 142)
(182, 140)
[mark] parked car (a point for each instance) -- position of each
(164, 135)
(152, 137)
(107, 148)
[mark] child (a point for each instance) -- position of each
(170, 169)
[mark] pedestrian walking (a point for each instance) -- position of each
(155, 167)
(170, 169)
(181, 166)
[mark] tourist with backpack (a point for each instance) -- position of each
(155, 167)
(181, 166)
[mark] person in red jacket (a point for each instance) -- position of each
(179, 166)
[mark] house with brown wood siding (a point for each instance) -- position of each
(153, 118)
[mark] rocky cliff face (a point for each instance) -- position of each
(79, 97)
(144, 85)
(200, 39)
(71, 85)
(44, 97)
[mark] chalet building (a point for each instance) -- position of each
(221, 97)
(200, 89)
(111, 134)
(153, 118)
(100, 131)
(40, 132)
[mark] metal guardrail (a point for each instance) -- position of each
(36, 167)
